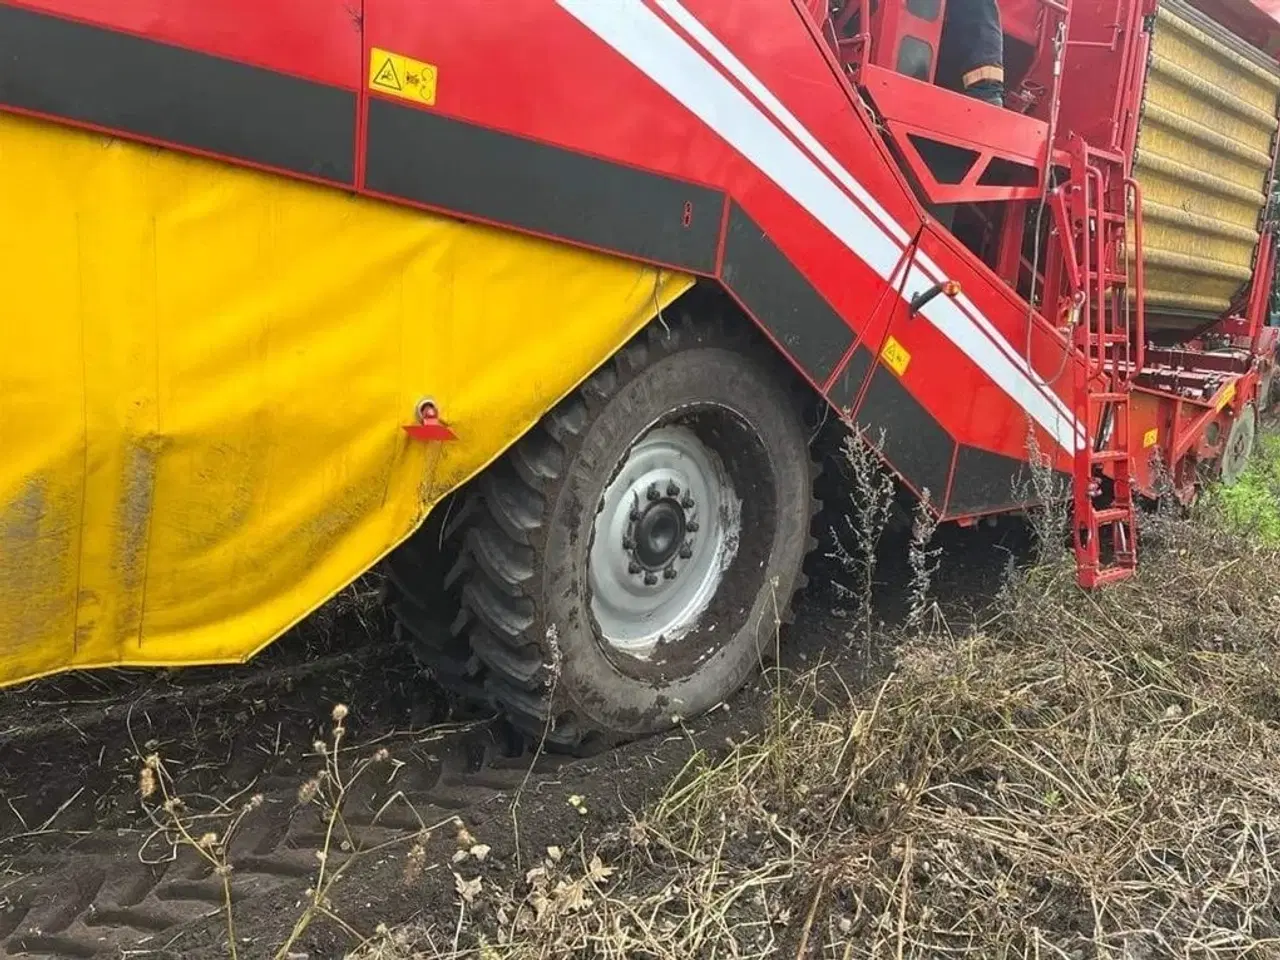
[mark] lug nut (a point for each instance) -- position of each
(669, 573)
(650, 579)
(627, 543)
(686, 552)
(692, 526)
(633, 567)
(653, 492)
(672, 489)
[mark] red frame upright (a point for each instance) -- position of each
(1183, 399)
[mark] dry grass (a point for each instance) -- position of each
(207, 826)
(1082, 776)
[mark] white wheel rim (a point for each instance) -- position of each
(666, 530)
(1239, 446)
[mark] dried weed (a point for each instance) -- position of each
(1084, 775)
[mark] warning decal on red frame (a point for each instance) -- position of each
(403, 77)
(895, 356)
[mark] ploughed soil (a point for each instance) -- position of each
(90, 867)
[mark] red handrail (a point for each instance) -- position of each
(1098, 257)
(1139, 279)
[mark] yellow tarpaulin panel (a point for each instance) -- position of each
(204, 378)
(1203, 157)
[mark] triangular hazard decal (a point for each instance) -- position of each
(386, 77)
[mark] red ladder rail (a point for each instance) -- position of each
(1110, 337)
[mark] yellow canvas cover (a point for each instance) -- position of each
(204, 377)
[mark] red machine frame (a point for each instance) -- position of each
(768, 146)
(1170, 406)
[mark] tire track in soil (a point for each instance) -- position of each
(96, 898)
(77, 887)
(82, 872)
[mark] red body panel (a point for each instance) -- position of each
(726, 140)
(591, 99)
(318, 39)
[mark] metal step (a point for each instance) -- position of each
(1102, 518)
(1109, 456)
(1113, 574)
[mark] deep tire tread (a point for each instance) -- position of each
(427, 616)
(495, 576)
(506, 563)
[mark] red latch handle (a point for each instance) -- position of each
(429, 426)
(430, 430)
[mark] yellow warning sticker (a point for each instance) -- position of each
(1150, 438)
(895, 356)
(1228, 395)
(403, 77)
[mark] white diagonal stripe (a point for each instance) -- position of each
(653, 47)
(711, 43)
(976, 317)
(726, 57)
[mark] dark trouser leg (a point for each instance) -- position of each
(983, 71)
(989, 91)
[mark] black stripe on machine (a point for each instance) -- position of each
(156, 91)
(817, 338)
(848, 383)
(986, 482)
(778, 295)
(86, 74)
(480, 173)
(917, 445)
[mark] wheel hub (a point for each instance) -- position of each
(1239, 446)
(665, 532)
(659, 535)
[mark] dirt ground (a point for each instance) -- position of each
(86, 872)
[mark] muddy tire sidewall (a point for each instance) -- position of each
(595, 680)
(1243, 430)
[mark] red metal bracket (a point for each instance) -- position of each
(915, 112)
(429, 426)
(1066, 230)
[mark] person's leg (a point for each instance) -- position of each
(983, 73)
(973, 54)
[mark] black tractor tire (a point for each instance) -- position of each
(425, 609)
(1238, 448)
(1266, 390)
(527, 628)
